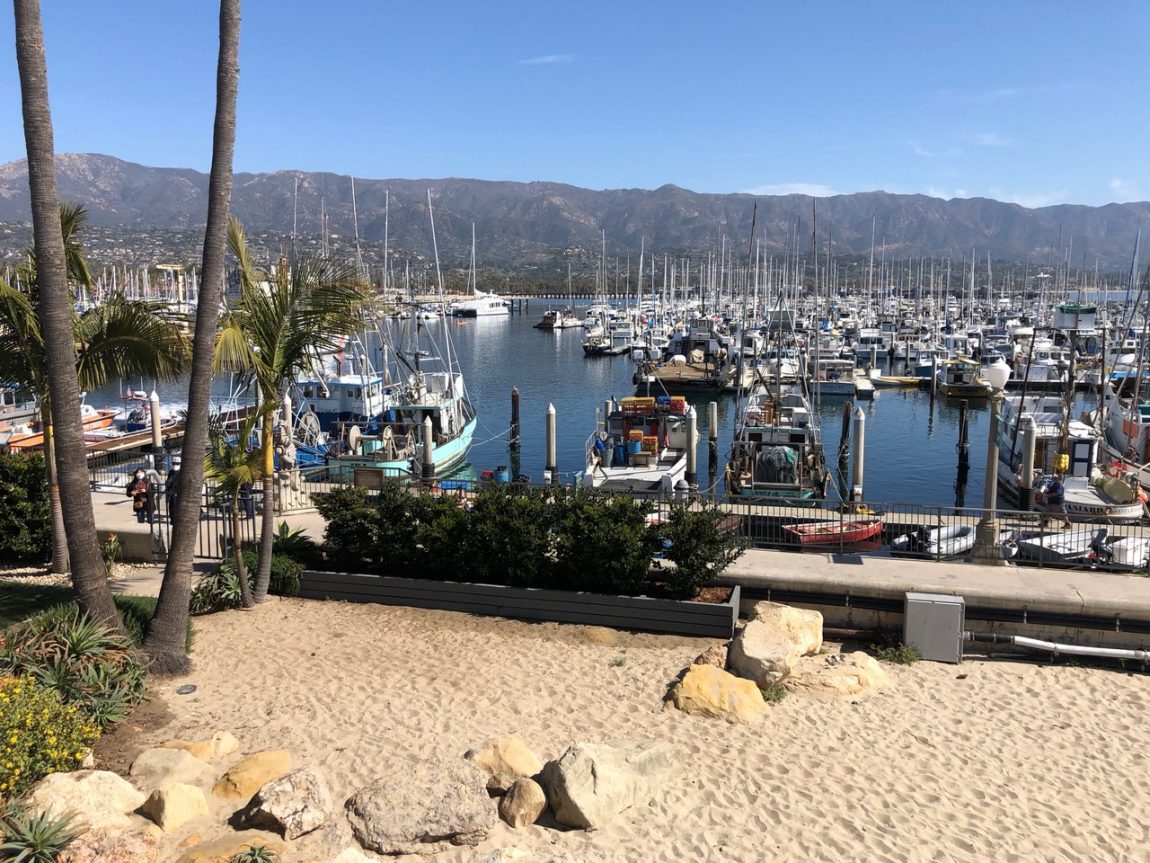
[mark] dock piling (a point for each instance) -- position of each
(692, 475)
(963, 445)
(1026, 480)
(858, 455)
(713, 433)
(551, 468)
(428, 474)
(157, 434)
(514, 442)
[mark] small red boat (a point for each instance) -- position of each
(835, 532)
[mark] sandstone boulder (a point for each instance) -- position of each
(591, 783)
(767, 648)
(174, 805)
(717, 694)
(418, 813)
(113, 846)
(523, 803)
(351, 855)
(218, 745)
(504, 759)
(99, 799)
(840, 674)
(155, 768)
(293, 805)
(249, 774)
(715, 655)
(224, 848)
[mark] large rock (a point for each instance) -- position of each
(840, 674)
(591, 783)
(767, 648)
(504, 759)
(99, 799)
(351, 855)
(523, 803)
(113, 846)
(292, 805)
(411, 812)
(224, 848)
(249, 775)
(218, 745)
(172, 806)
(155, 768)
(717, 694)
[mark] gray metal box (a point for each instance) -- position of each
(933, 625)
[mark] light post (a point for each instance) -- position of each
(986, 533)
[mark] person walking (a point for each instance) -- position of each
(140, 490)
(1055, 493)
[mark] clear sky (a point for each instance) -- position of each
(1032, 102)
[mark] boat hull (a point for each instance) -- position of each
(834, 532)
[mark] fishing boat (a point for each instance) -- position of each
(558, 319)
(17, 405)
(960, 379)
(702, 358)
(777, 451)
(939, 542)
(639, 446)
(834, 532)
(1068, 446)
(344, 388)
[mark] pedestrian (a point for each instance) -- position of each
(142, 492)
(171, 490)
(1055, 493)
(246, 500)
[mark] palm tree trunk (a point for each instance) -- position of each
(59, 535)
(237, 550)
(268, 520)
(89, 581)
(165, 643)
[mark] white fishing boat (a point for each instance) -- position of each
(777, 451)
(639, 446)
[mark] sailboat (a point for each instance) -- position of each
(479, 304)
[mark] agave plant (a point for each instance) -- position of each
(35, 838)
(255, 854)
(88, 664)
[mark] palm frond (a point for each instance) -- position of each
(122, 338)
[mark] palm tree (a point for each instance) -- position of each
(234, 464)
(167, 632)
(118, 338)
(55, 314)
(281, 326)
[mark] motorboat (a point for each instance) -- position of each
(1061, 546)
(938, 542)
(777, 451)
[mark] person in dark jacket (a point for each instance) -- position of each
(1055, 494)
(143, 494)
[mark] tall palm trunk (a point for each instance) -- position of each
(268, 520)
(55, 507)
(167, 631)
(89, 580)
(246, 599)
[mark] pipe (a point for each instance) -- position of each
(1055, 648)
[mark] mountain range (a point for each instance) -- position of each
(542, 223)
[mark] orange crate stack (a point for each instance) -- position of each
(650, 443)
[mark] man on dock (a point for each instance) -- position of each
(1055, 494)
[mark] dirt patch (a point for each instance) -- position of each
(117, 749)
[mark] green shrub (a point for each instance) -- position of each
(90, 666)
(602, 543)
(897, 654)
(350, 537)
(295, 544)
(39, 734)
(441, 527)
(510, 536)
(219, 589)
(25, 516)
(774, 693)
(697, 546)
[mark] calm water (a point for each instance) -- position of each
(910, 442)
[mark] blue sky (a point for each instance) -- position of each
(1037, 103)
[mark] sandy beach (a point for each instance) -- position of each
(989, 760)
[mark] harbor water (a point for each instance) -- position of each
(911, 439)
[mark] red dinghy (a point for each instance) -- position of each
(836, 532)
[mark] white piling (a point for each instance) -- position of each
(154, 410)
(858, 455)
(692, 475)
(428, 450)
(1026, 484)
(551, 468)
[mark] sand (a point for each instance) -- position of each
(990, 760)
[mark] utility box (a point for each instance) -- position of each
(933, 624)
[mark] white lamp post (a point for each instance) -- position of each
(986, 535)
